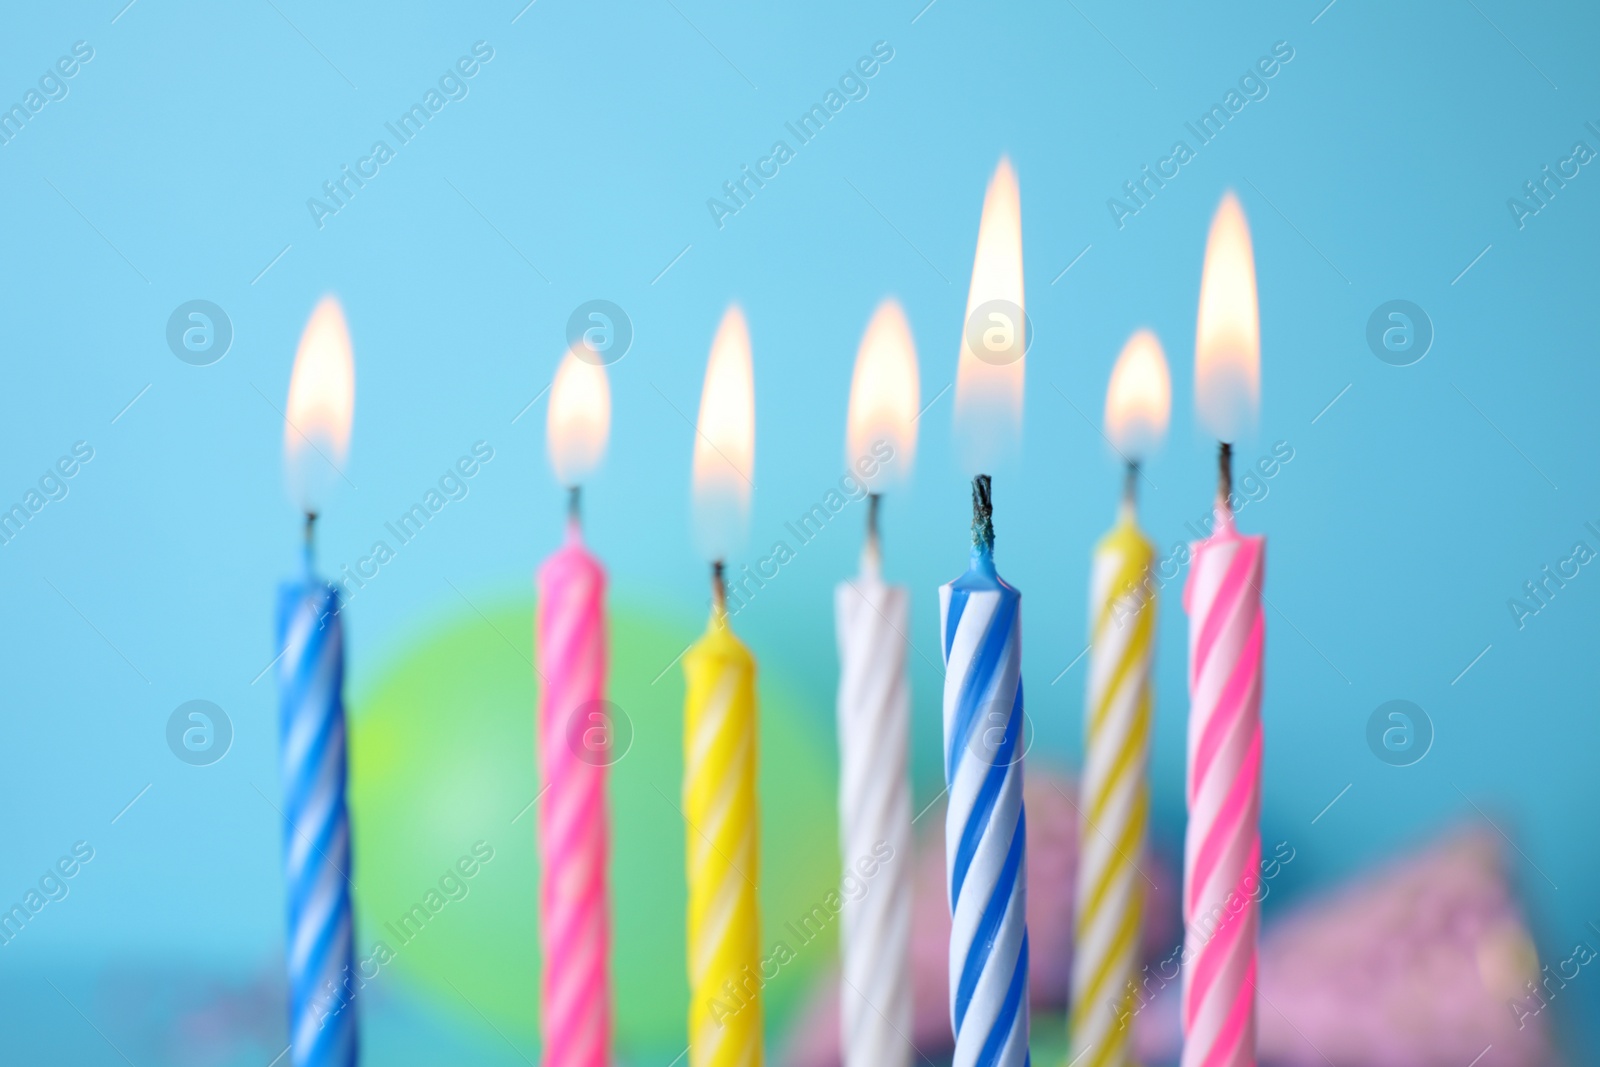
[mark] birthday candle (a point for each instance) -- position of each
(1115, 800)
(985, 833)
(317, 835)
(1115, 792)
(575, 745)
(1222, 849)
(874, 709)
(719, 795)
(310, 672)
(1222, 844)
(985, 826)
(719, 738)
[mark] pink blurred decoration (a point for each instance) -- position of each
(1413, 965)
(1052, 866)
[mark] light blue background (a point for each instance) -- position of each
(1378, 167)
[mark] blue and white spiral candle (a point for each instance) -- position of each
(310, 635)
(985, 826)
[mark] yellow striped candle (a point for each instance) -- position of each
(1115, 791)
(719, 735)
(719, 802)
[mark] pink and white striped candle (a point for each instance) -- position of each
(577, 742)
(1222, 845)
(574, 736)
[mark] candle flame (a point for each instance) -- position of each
(884, 395)
(725, 440)
(579, 421)
(1139, 398)
(322, 400)
(1228, 335)
(994, 340)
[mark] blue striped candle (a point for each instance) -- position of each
(322, 1018)
(985, 826)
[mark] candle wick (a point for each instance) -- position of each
(982, 513)
(872, 553)
(311, 541)
(1224, 478)
(1130, 485)
(574, 509)
(719, 590)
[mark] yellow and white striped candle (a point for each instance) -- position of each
(1115, 798)
(719, 802)
(1115, 792)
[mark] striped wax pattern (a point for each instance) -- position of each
(985, 826)
(322, 1020)
(1115, 800)
(719, 794)
(874, 711)
(1222, 846)
(574, 750)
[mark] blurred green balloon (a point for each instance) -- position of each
(442, 762)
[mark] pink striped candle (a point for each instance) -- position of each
(576, 735)
(1222, 846)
